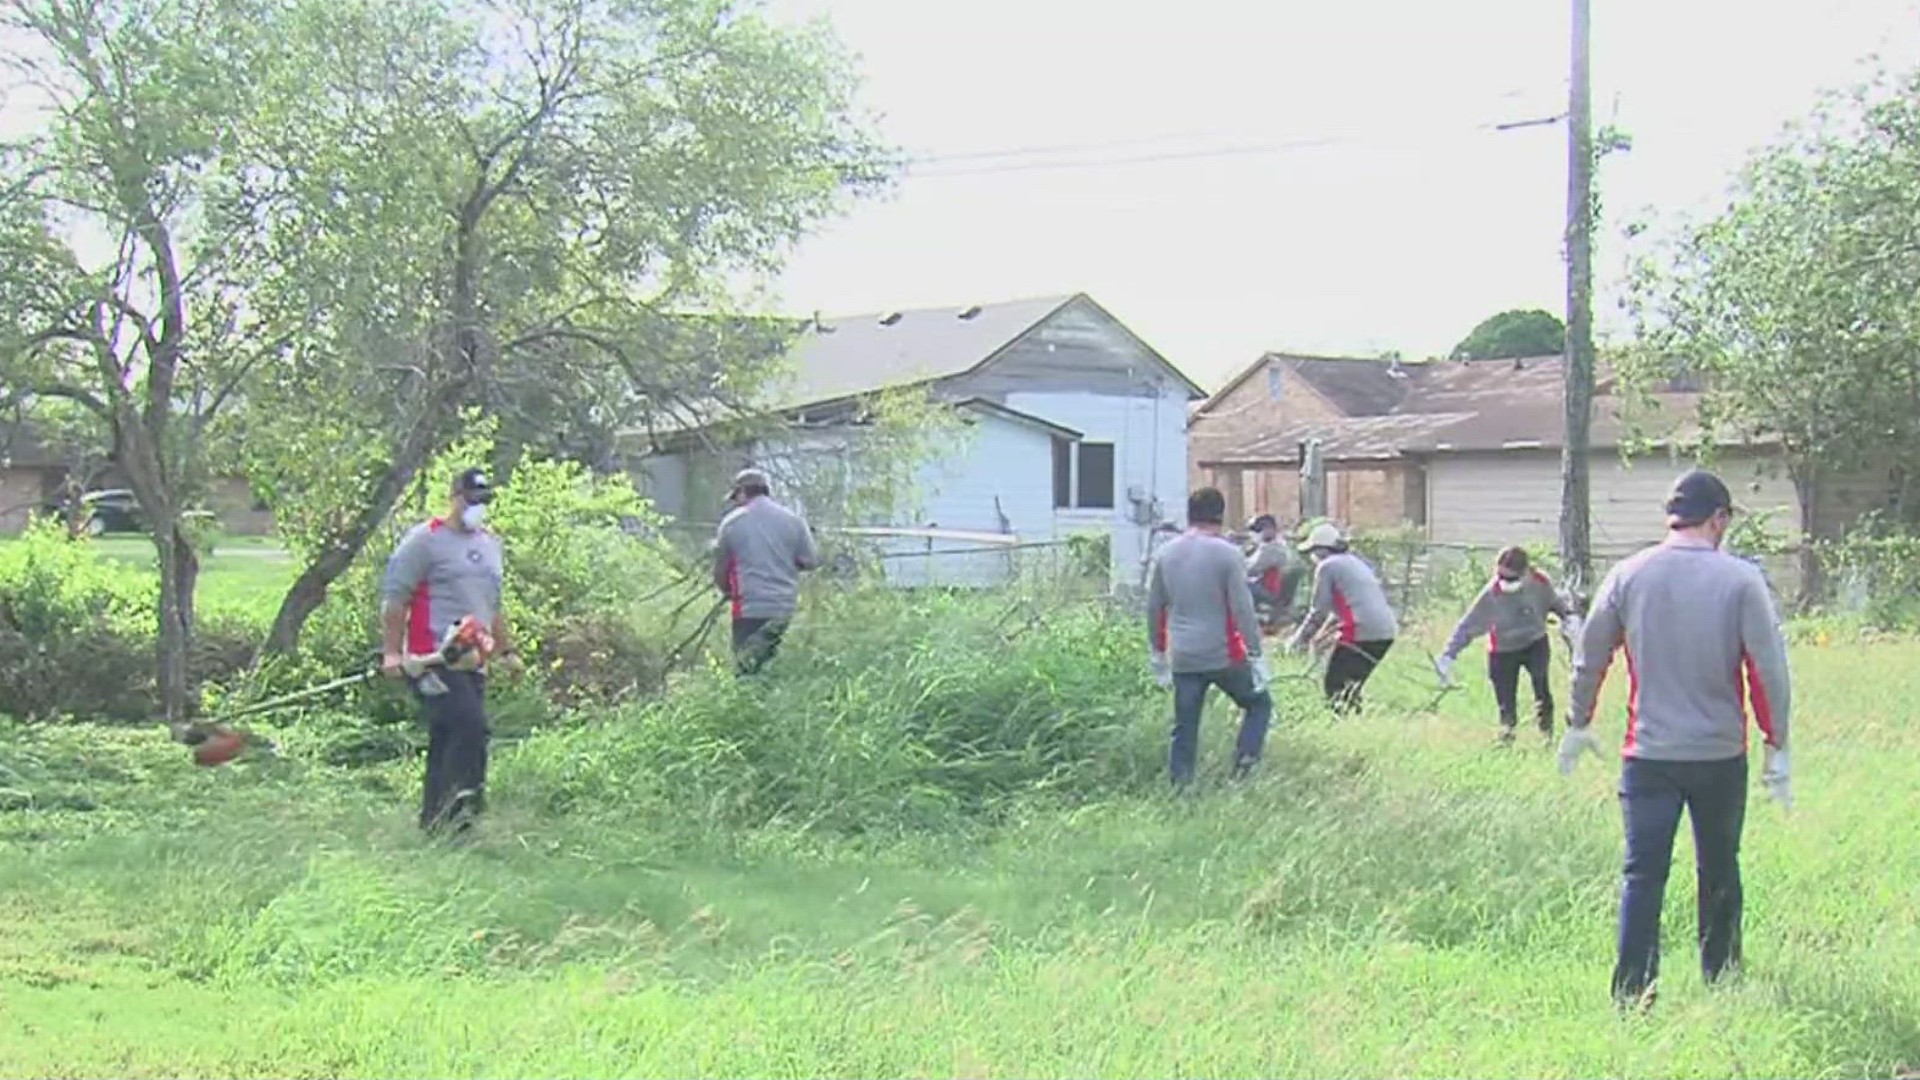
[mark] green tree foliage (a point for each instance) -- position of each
(123, 216)
(1794, 307)
(521, 207)
(1514, 334)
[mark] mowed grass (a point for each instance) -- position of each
(241, 572)
(1392, 896)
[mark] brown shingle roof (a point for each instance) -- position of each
(1466, 406)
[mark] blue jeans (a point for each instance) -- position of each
(1652, 794)
(1190, 698)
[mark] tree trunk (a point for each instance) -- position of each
(1576, 545)
(179, 572)
(309, 590)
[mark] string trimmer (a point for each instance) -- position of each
(465, 647)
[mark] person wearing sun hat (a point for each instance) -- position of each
(1702, 644)
(1345, 589)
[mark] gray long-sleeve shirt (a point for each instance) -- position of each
(443, 574)
(1702, 644)
(1511, 620)
(758, 555)
(1346, 588)
(1269, 564)
(1199, 609)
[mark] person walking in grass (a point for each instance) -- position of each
(444, 572)
(1202, 633)
(1702, 643)
(759, 554)
(1512, 612)
(1346, 590)
(1272, 569)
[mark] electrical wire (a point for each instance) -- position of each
(1204, 153)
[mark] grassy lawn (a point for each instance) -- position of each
(242, 569)
(1393, 896)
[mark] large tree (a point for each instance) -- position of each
(516, 206)
(1511, 334)
(122, 218)
(1795, 307)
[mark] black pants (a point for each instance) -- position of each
(456, 783)
(1348, 670)
(754, 643)
(1652, 794)
(1504, 669)
(1190, 698)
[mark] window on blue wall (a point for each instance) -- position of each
(1096, 476)
(1062, 473)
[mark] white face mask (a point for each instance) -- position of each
(472, 515)
(1505, 586)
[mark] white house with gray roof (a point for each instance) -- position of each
(1073, 425)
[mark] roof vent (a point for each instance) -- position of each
(970, 312)
(820, 327)
(889, 318)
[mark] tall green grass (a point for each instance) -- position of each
(935, 840)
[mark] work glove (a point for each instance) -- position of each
(1262, 673)
(1443, 667)
(1777, 776)
(1162, 669)
(1578, 740)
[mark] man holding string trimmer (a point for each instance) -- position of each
(442, 597)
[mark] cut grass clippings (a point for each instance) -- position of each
(1390, 896)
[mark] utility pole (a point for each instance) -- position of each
(1576, 542)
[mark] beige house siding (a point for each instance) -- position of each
(21, 490)
(1839, 501)
(231, 500)
(1487, 500)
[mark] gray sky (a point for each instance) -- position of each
(1393, 219)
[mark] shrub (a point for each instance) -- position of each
(75, 631)
(1876, 574)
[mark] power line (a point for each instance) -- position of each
(1241, 150)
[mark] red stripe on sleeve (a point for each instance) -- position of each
(420, 622)
(1633, 704)
(1160, 632)
(1349, 629)
(1757, 693)
(733, 584)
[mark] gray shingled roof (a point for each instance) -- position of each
(1356, 387)
(1449, 406)
(861, 354)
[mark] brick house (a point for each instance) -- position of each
(1468, 452)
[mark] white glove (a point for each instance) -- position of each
(1578, 740)
(1443, 667)
(1162, 669)
(1777, 776)
(1262, 673)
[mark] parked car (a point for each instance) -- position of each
(112, 510)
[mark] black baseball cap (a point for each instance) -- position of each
(474, 485)
(1264, 521)
(1696, 496)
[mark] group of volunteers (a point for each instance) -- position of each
(449, 571)
(1698, 628)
